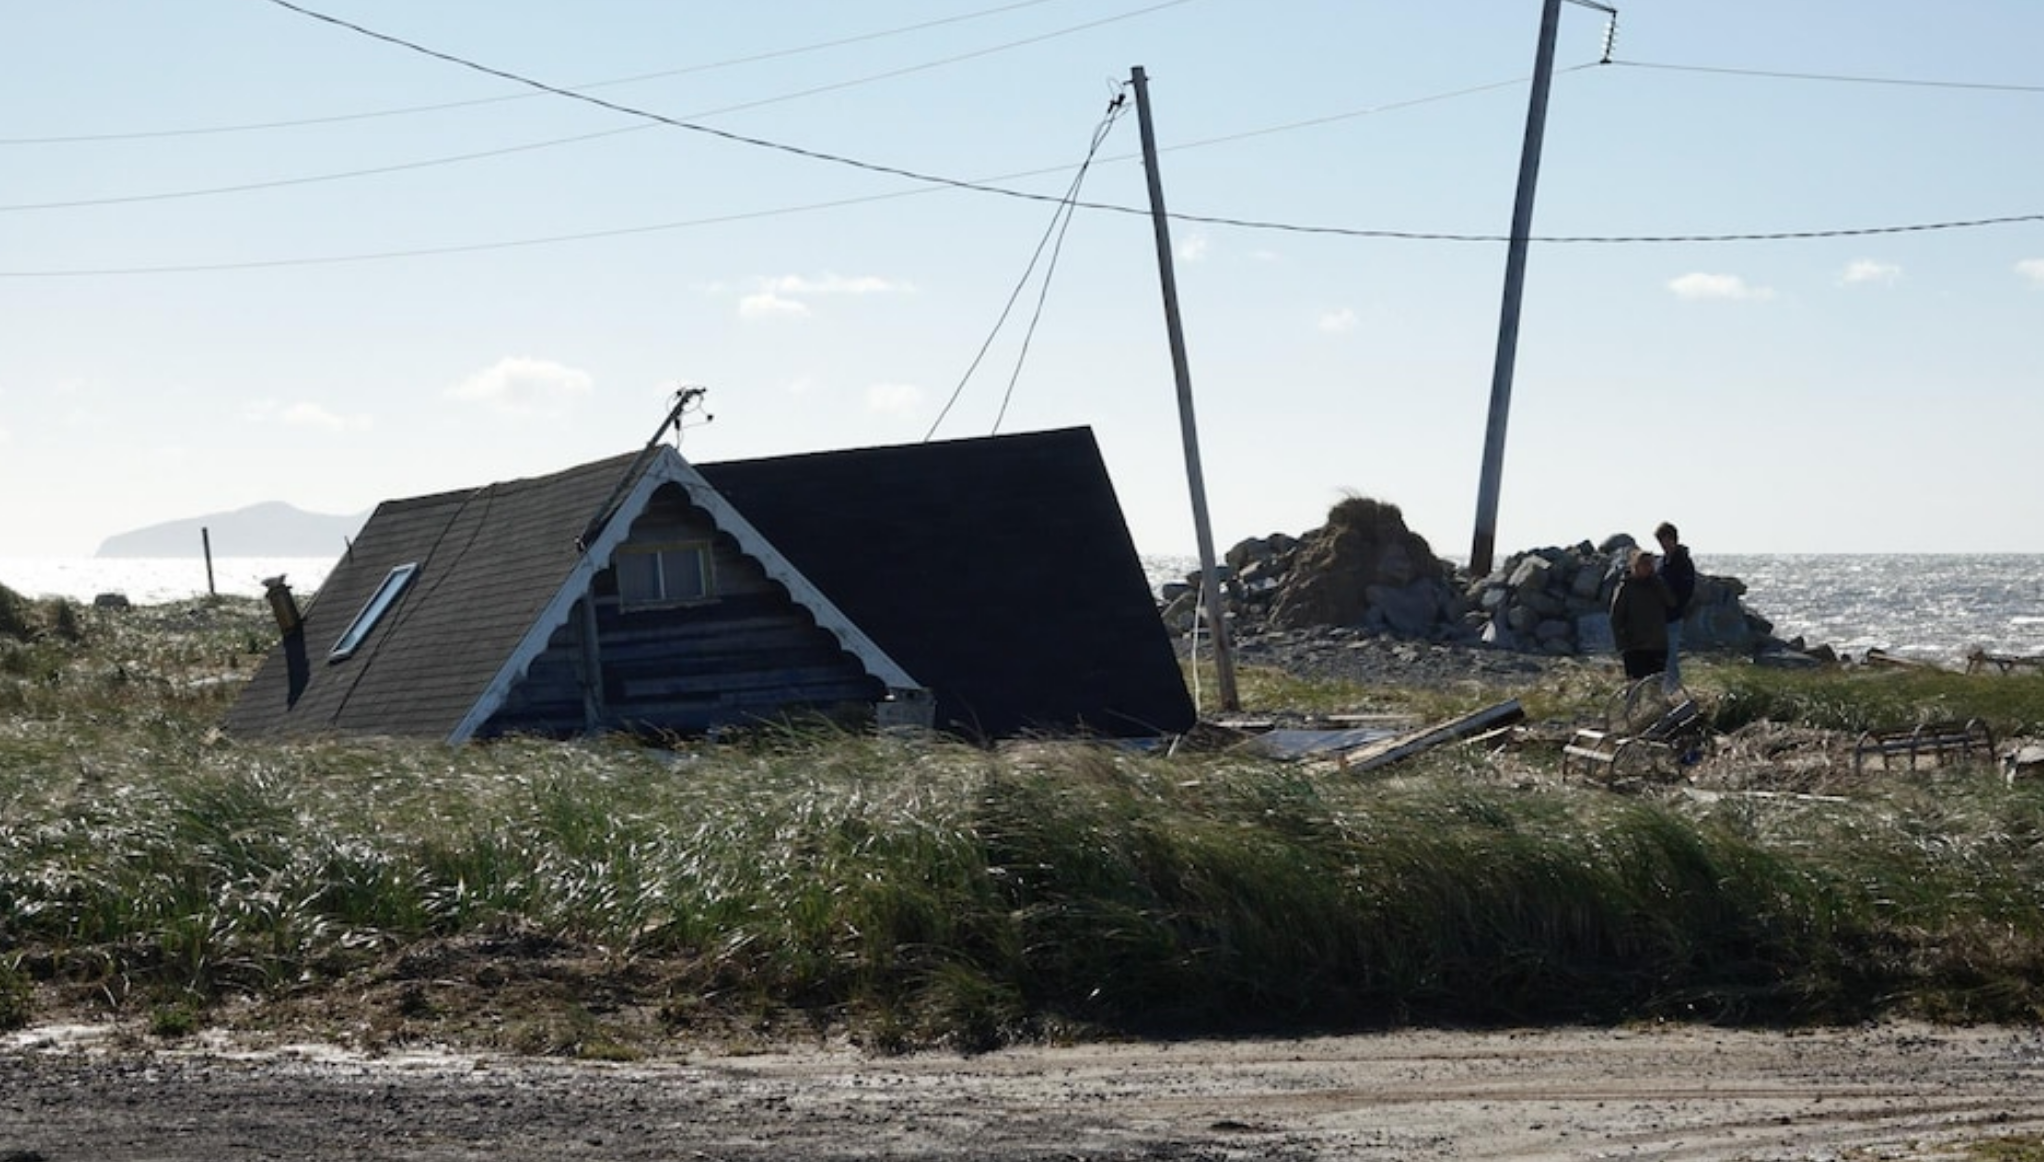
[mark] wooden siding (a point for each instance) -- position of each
(746, 655)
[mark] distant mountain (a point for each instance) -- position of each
(269, 529)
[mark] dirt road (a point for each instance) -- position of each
(1901, 1091)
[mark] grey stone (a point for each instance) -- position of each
(1587, 584)
(1531, 573)
(1593, 634)
(1785, 659)
(1408, 609)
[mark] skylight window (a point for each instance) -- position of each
(379, 603)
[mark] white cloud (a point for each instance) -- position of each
(522, 386)
(768, 305)
(1336, 322)
(311, 415)
(896, 399)
(305, 414)
(1193, 249)
(834, 284)
(1866, 270)
(781, 296)
(1698, 285)
(2032, 269)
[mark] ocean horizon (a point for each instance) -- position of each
(1935, 607)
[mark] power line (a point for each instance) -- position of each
(1606, 239)
(408, 110)
(933, 180)
(1835, 78)
(315, 179)
(462, 158)
(632, 111)
(1328, 119)
(1137, 211)
(1196, 219)
(1060, 222)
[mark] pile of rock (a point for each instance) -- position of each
(1364, 570)
(1558, 601)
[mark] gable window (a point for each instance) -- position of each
(664, 575)
(379, 603)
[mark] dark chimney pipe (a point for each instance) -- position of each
(282, 604)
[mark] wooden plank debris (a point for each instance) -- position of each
(1933, 742)
(1404, 746)
(1300, 744)
(1978, 661)
(1882, 659)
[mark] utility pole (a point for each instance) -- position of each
(1484, 543)
(1210, 586)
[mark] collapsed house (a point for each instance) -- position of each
(986, 588)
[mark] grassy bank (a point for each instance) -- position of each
(593, 898)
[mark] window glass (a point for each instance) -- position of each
(638, 578)
(663, 575)
(682, 570)
(379, 602)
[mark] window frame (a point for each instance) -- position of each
(387, 592)
(662, 554)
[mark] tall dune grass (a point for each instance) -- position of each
(919, 891)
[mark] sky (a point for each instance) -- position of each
(247, 254)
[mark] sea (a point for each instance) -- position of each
(1927, 607)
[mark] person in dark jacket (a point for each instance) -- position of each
(1678, 572)
(1639, 618)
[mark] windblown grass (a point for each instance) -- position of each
(917, 892)
(1878, 699)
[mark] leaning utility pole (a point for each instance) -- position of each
(1210, 586)
(1485, 541)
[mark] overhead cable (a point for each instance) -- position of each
(314, 179)
(1834, 78)
(1196, 219)
(409, 110)
(461, 158)
(676, 122)
(1050, 271)
(1060, 221)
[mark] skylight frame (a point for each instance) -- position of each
(379, 603)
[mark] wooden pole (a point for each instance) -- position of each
(1210, 588)
(1484, 543)
(206, 546)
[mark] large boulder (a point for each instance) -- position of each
(1363, 549)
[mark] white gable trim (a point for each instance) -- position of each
(668, 467)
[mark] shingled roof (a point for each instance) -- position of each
(996, 573)
(999, 572)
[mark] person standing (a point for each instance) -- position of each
(1639, 618)
(1678, 573)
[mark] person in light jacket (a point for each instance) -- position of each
(1639, 617)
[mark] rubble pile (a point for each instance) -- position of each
(1365, 571)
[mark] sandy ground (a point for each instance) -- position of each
(1894, 1091)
